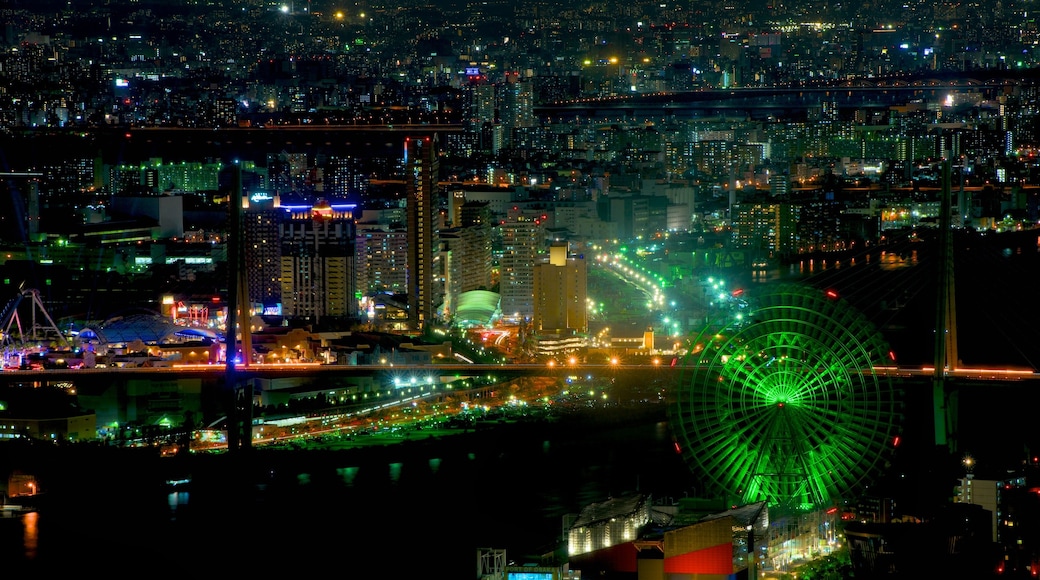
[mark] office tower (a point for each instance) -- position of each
(421, 170)
(521, 242)
(263, 253)
(560, 292)
(317, 247)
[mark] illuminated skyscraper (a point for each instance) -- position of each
(421, 169)
(560, 292)
(263, 252)
(317, 259)
(521, 242)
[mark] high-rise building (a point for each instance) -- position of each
(481, 104)
(560, 293)
(516, 105)
(344, 176)
(476, 221)
(317, 249)
(421, 172)
(456, 197)
(382, 258)
(263, 253)
(466, 253)
(766, 228)
(521, 243)
(757, 226)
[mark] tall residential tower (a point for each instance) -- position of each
(421, 170)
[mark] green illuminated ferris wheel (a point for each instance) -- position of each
(781, 399)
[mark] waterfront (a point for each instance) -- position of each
(408, 507)
(411, 507)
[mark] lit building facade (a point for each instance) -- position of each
(560, 293)
(421, 170)
(765, 227)
(317, 262)
(263, 253)
(475, 232)
(381, 258)
(521, 243)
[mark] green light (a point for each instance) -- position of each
(788, 409)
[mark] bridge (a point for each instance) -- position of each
(761, 102)
(504, 371)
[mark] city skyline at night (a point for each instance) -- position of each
(749, 284)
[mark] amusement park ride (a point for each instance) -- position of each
(24, 340)
(789, 403)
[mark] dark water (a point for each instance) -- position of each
(424, 507)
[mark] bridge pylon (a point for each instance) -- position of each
(944, 399)
(239, 393)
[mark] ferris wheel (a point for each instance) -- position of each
(781, 399)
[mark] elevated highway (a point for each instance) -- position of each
(502, 371)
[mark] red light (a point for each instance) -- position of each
(677, 448)
(738, 291)
(892, 355)
(215, 299)
(895, 442)
(832, 511)
(832, 294)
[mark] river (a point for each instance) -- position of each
(405, 509)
